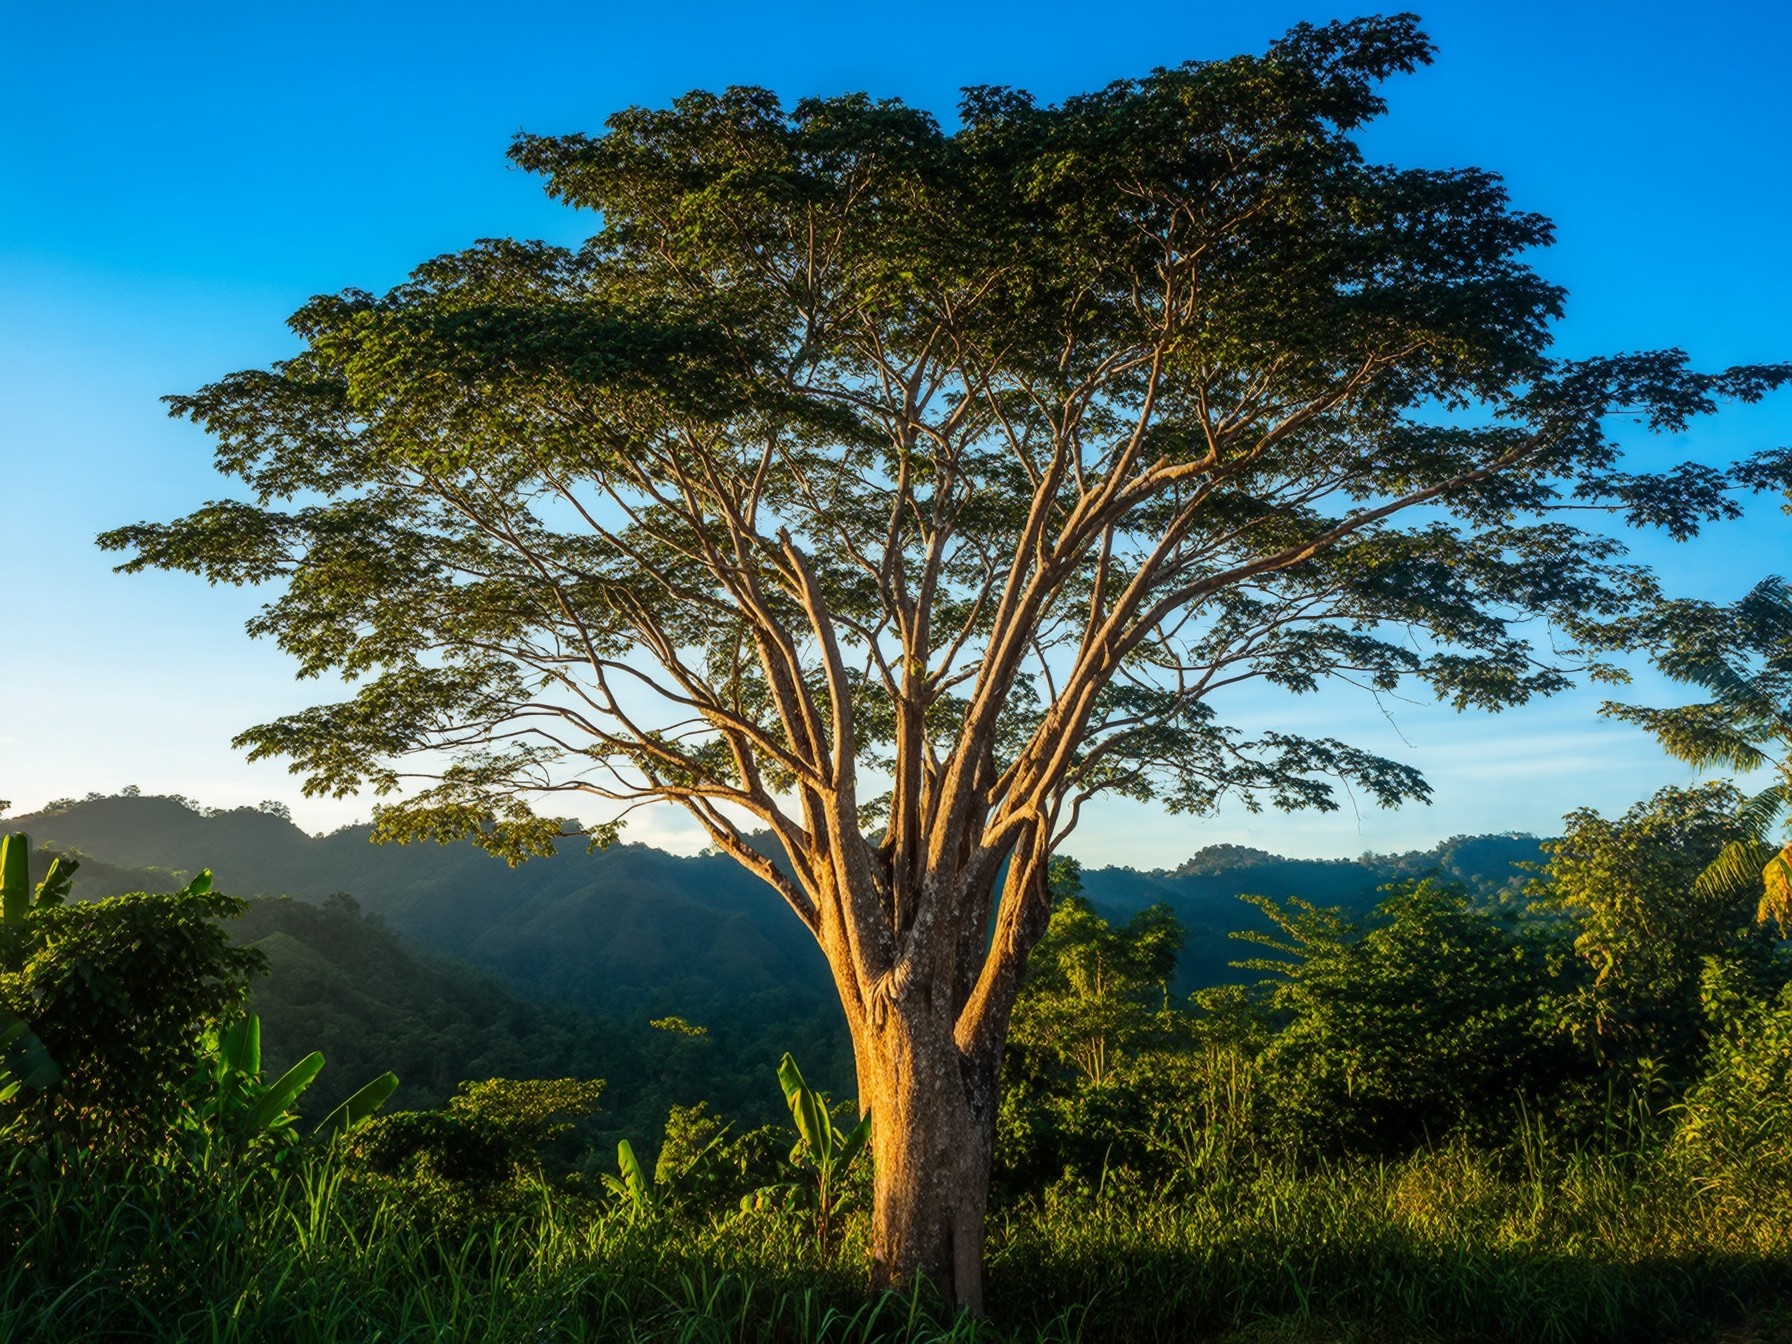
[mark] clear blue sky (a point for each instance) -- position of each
(175, 179)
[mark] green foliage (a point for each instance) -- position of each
(235, 1110)
(542, 1119)
(1734, 1134)
(1093, 990)
(1428, 1019)
(1432, 1020)
(824, 1150)
(1645, 924)
(24, 1063)
(20, 899)
(360, 1104)
(1447, 1245)
(1096, 1052)
(611, 939)
(630, 1185)
(481, 1154)
(122, 993)
(231, 1098)
(1741, 656)
(704, 1166)
(533, 1111)
(434, 1149)
(1162, 1199)
(15, 880)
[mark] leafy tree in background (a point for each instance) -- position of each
(704, 1165)
(1421, 1024)
(1647, 927)
(897, 492)
(481, 1158)
(1741, 656)
(1096, 1052)
(1091, 989)
(122, 994)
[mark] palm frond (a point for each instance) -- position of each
(1735, 872)
(1757, 815)
(1776, 895)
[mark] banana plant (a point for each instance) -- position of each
(24, 1063)
(631, 1185)
(19, 900)
(238, 1104)
(237, 1107)
(360, 1106)
(822, 1148)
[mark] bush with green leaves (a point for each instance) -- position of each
(123, 994)
(1093, 991)
(1431, 1019)
(1085, 1055)
(1734, 1130)
(487, 1155)
(705, 1167)
(1645, 926)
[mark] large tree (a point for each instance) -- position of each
(894, 491)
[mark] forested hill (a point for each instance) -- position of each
(631, 930)
(1204, 890)
(637, 932)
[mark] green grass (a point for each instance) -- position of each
(1447, 1246)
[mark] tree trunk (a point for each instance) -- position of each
(932, 1135)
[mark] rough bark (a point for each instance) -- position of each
(933, 1133)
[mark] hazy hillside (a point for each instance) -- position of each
(631, 929)
(633, 933)
(629, 934)
(342, 982)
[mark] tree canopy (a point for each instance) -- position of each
(896, 489)
(1057, 422)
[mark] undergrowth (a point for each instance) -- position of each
(1449, 1245)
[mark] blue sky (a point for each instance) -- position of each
(174, 180)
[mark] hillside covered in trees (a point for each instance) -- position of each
(631, 929)
(611, 941)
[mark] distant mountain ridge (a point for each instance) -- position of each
(635, 932)
(663, 929)
(1204, 889)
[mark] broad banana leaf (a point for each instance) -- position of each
(358, 1108)
(633, 1178)
(855, 1140)
(54, 889)
(15, 877)
(274, 1102)
(240, 1047)
(813, 1125)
